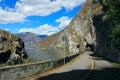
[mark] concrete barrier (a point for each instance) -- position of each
(21, 71)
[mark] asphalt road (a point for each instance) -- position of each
(104, 70)
(74, 70)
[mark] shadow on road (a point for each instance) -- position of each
(98, 57)
(104, 74)
(72, 75)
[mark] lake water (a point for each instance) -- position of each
(44, 54)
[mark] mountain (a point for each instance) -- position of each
(43, 36)
(79, 33)
(30, 39)
(87, 31)
(12, 49)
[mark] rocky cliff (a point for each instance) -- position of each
(11, 48)
(87, 31)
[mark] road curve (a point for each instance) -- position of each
(104, 70)
(74, 70)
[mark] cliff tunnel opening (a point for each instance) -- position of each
(90, 47)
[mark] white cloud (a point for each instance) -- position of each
(48, 29)
(44, 29)
(64, 21)
(25, 8)
(45, 7)
(10, 17)
(68, 4)
(36, 7)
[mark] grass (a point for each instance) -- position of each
(31, 60)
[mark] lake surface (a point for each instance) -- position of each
(44, 54)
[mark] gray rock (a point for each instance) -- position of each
(77, 35)
(87, 31)
(11, 48)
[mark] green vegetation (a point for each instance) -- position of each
(116, 36)
(112, 17)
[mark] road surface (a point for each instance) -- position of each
(104, 70)
(79, 68)
(74, 70)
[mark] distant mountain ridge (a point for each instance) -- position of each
(31, 39)
(43, 36)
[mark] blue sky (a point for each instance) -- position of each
(38, 16)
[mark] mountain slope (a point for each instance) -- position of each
(87, 31)
(77, 34)
(43, 36)
(30, 39)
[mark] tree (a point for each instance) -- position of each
(115, 35)
(112, 17)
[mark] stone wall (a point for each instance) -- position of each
(21, 71)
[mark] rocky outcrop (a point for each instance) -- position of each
(11, 48)
(87, 31)
(78, 35)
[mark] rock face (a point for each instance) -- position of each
(79, 34)
(87, 31)
(30, 39)
(11, 48)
